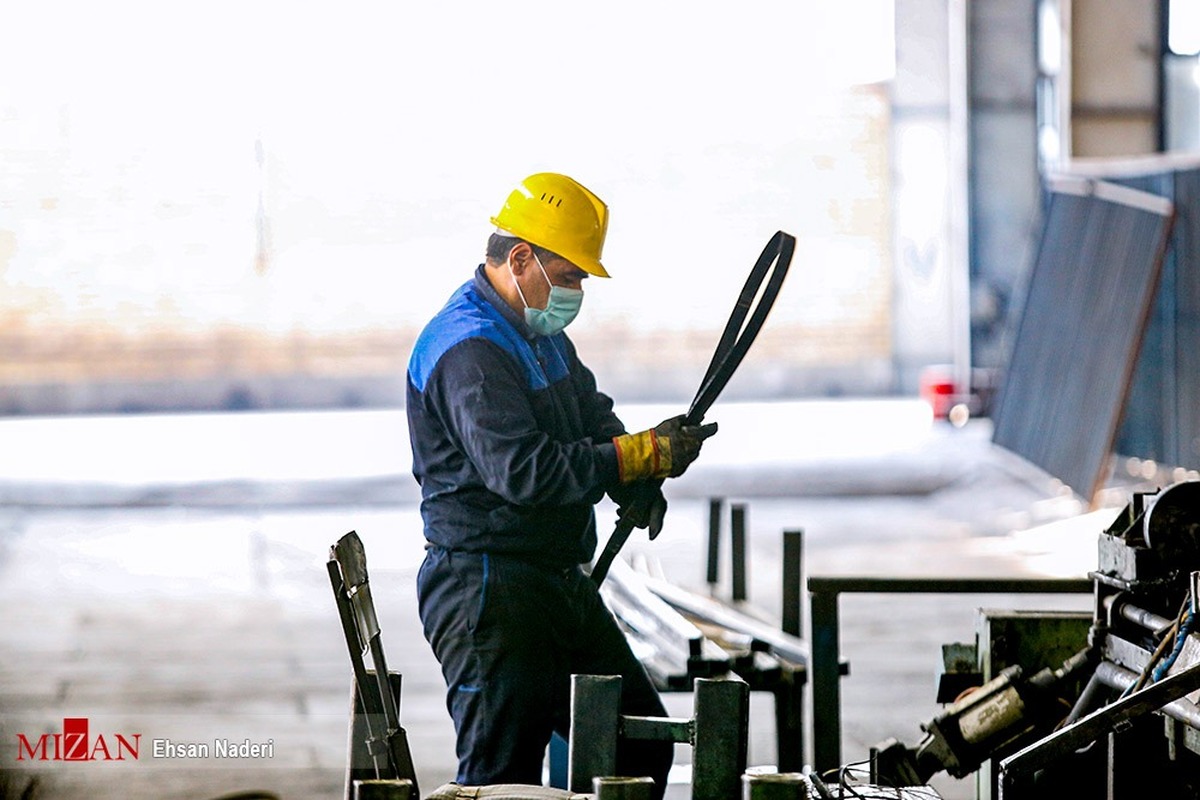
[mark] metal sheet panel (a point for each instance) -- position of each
(1186, 245)
(1149, 421)
(1086, 308)
(1162, 419)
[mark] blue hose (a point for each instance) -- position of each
(1161, 670)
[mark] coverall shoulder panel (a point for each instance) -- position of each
(511, 438)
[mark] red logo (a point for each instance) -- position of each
(74, 744)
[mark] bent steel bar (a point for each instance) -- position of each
(739, 334)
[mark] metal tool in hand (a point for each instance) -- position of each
(743, 326)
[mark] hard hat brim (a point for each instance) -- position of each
(589, 265)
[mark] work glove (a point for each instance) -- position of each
(664, 451)
(649, 515)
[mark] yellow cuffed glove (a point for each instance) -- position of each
(664, 451)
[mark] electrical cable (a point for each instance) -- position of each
(818, 784)
(845, 770)
(1168, 636)
(873, 792)
(1185, 629)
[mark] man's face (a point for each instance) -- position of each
(560, 272)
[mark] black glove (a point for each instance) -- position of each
(651, 514)
(664, 451)
(685, 441)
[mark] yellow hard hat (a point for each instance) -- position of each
(559, 214)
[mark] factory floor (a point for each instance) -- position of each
(164, 576)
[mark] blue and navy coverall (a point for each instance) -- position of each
(512, 447)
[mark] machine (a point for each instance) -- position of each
(1117, 719)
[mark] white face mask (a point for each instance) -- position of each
(561, 308)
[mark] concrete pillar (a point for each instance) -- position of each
(929, 188)
(970, 68)
(1004, 193)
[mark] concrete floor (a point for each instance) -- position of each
(201, 610)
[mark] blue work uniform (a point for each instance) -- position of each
(512, 447)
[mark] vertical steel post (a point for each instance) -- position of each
(595, 727)
(827, 699)
(722, 725)
(789, 696)
(739, 551)
(774, 786)
(793, 577)
(712, 575)
(789, 720)
(383, 790)
(619, 788)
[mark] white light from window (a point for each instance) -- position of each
(1183, 27)
(1049, 38)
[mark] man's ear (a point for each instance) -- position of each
(521, 257)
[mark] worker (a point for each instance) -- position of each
(513, 445)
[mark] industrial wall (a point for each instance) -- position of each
(169, 260)
(138, 275)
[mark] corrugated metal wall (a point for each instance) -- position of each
(1162, 420)
(1085, 311)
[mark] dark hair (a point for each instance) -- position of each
(498, 248)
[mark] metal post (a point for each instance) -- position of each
(827, 702)
(774, 786)
(595, 724)
(793, 572)
(720, 741)
(383, 789)
(739, 551)
(789, 695)
(617, 788)
(789, 720)
(712, 576)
